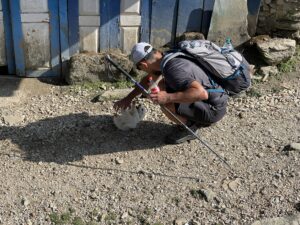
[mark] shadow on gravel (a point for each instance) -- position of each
(68, 138)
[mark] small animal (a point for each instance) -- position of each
(129, 118)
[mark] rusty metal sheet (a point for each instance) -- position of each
(36, 45)
(229, 19)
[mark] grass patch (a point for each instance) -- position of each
(254, 93)
(291, 64)
(143, 220)
(60, 219)
(196, 194)
(110, 217)
(67, 218)
(103, 85)
(78, 221)
(147, 211)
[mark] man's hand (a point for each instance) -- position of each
(123, 103)
(161, 97)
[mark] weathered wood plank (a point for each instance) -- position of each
(110, 20)
(54, 36)
(36, 45)
(17, 34)
(146, 9)
(130, 6)
(208, 7)
(130, 20)
(253, 9)
(163, 22)
(226, 22)
(2, 39)
(89, 37)
(129, 38)
(8, 37)
(88, 7)
(89, 21)
(34, 6)
(73, 17)
(64, 31)
(35, 18)
(2, 43)
(190, 14)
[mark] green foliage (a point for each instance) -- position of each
(254, 93)
(57, 219)
(91, 223)
(103, 85)
(291, 64)
(147, 211)
(78, 221)
(142, 220)
(196, 194)
(110, 216)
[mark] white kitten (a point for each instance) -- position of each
(129, 118)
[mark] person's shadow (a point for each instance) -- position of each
(68, 138)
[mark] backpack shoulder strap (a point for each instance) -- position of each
(168, 56)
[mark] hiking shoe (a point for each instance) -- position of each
(180, 135)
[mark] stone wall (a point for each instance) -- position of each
(280, 18)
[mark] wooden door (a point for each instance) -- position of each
(35, 31)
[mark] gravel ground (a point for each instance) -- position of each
(62, 161)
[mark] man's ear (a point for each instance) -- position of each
(143, 65)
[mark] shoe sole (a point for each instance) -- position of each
(181, 140)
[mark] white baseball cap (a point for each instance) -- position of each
(140, 51)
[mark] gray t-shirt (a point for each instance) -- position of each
(179, 73)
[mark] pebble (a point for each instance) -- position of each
(297, 206)
(119, 161)
(208, 194)
(28, 222)
(181, 221)
(93, 196)
(13, 119)
(233, 185)
(295, 146)
(25, 202)
(124, 215)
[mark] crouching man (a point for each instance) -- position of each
(183, 91)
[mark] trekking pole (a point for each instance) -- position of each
(170, 112)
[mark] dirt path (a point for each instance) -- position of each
(62, 160)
